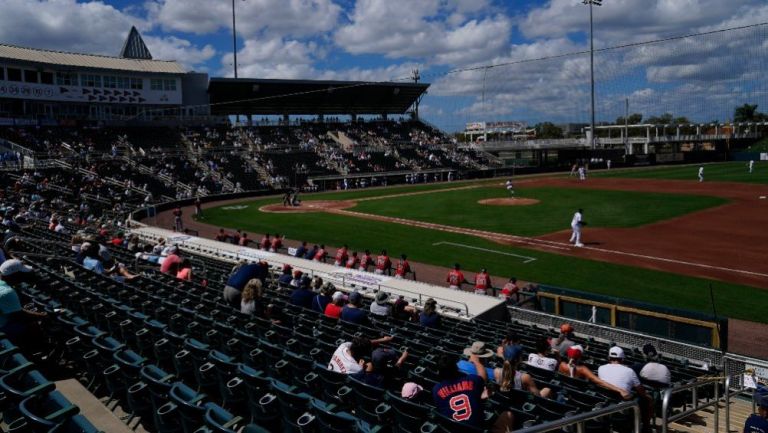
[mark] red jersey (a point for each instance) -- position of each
(365, 262)
(383, 263)
(221, 237)
(320, 255)
(341, 256)
(509, 290)
(455, 278)
(265, 243)
(352, 262)
(333, 310)
(244, 242)
(482, 281)
(276, 243)
(403, 267)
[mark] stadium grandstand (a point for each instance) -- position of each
(117, 316)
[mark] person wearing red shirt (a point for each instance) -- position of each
(341, 256)
(455, 278)
(353, 262)
(510, 289)
(333, 309)
(244, 241)
(222, 236)
(482, 282)
(321, 254)
(383, 264)
(366, 261)
(265, 242)
(277, 243)
(403, 267)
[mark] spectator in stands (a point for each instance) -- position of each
(277, 243)
(251, 298)
(173, 259)
(118, 240)
(221, 236)
(758, 422)
(455, 277)
(564, 340)
(92, 260)
(322, 299)
(654, 371)
(286, 277)
(301, 251)
(383, 264)
(235, 238)
(311, 253)
(18, 324)
(382, 370)
(198, 207)
(351, 357)
(334, 308)
(481, 351)
(510, 289)
(542, 357)
(320, 254)
(381, 307)
(365, 261)
(429, 318)
(459, 396)
(353, 313)
(510, 347)
(623, 377)
(239, 278)
(508, 377)
(402, 268)
(302, 296)
(296, 280)
(340, 259)
(185, 270)
(244, 241)
(574, 368)
(482, 282)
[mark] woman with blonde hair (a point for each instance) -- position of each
(508, 378)
(250, 298)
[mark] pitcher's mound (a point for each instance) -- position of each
(510, 201)
(308, 206)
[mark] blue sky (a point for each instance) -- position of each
(702, 78)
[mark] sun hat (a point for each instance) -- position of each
(479, 349)
(616, 352)
(12, 266)
(382, 297)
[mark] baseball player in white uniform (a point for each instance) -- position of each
(751, 165)
(576, 224)
(701, 173)
(582, 173)
(510, 187)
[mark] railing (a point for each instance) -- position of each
(579, 420)
(696, 403)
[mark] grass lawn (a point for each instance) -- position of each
(557, 205)
(552, 269)
(719, 172)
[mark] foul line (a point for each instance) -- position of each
(526, 258)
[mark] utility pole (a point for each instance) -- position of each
(234, 37)
(592, 67)
(626, 124)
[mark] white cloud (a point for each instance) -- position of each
(181, 50)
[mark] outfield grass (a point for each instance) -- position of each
(720, 172)
(601, 208)
(552, 269)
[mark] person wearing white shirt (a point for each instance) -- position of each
(351, 357)
(621, 376)
(576, 224)
(540, 358)
(751, 165)
(653, 370)
(701, 173)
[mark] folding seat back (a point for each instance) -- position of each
(218, 420)
(408, 416)
(44, 411)
(189, 404)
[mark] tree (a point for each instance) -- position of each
(634, 119)
(748, 113)
(548, 130)
(660, 120)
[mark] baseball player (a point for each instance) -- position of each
(701, 173)
(576, 224)
(608, 164)
(510, 187)
(582, 172)
(751, 165)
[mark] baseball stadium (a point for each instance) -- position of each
(383, 219)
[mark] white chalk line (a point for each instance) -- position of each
(541, 243)
(526, 259)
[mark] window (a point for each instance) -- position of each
(156, 84)
(110, 82)
(14, 74)
(137, 84)
(169, 84)
(123, 82)
(46, 77)
(2, 74)
(66, 78)
(89, 80)
(30, 76)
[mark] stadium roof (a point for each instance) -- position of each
(230, 96)
(134, 47)
(59, 58)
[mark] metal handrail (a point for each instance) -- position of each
(666, 419)
(580, 419)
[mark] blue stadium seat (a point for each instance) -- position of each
(45, 411)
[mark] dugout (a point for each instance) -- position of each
(666, 322)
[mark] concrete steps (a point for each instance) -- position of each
(704, 420)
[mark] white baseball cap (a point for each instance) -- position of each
(337, 296)
(616, 352)
(12, 266)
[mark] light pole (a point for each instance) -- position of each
(592, 68)
(234, 37)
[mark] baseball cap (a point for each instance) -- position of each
(355, 297)
(12, 266)
(410, 389)
(337, 296)
(649, 351)
(616, 352)
(761, 397)
(566, 328)
(574, 352)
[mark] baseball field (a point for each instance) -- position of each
(653, 235)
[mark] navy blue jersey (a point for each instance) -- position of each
(461, 399)
(756, 424)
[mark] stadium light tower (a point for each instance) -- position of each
(234, 37)
(592, 67)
